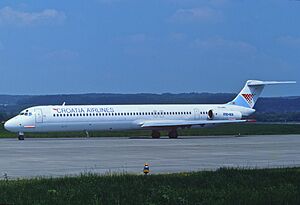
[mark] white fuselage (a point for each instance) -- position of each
(126, 117)
(111, 117)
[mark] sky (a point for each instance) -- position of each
(142, 46)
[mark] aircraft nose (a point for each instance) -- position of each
(10, 125)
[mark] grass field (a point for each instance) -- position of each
(243, 129)
(224, 186)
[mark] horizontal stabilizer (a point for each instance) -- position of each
(257, 82)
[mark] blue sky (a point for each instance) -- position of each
(133, 46)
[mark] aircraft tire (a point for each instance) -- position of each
(155, 134)
(21, 137)
(173, 134)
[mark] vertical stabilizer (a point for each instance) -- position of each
(251, 92)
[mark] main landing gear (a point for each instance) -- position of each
(173, 134)
(155, 134)
(21, 136)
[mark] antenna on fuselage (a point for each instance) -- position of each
(64, 104)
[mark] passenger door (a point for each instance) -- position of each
(197, 114)
(38, 116)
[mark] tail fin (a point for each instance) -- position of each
(251, 92)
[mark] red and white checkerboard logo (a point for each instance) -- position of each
(248, 98)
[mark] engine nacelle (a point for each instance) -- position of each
(224, 115)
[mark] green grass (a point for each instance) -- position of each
(243, 129)
(224, 186)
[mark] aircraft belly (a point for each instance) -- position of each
(82, 126)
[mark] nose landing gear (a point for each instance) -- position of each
(21, 136)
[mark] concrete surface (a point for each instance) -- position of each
(59, 157)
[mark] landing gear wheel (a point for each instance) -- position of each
(21, 136)
(155, 134)
(173, 134)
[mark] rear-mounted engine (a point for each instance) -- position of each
(224, 115)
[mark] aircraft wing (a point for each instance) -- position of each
(185, 123)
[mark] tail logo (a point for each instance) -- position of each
(248, 98)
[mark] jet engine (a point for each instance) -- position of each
(224, 115)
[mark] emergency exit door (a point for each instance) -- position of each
(38, 116)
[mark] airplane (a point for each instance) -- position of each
(155, 117)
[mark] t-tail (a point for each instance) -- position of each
(251, 92)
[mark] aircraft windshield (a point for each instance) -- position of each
(26, 113)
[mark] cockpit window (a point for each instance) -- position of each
(26, 113)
